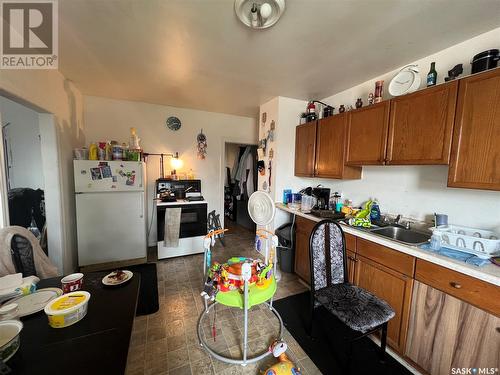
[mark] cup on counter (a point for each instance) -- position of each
(440, 219)
(72, 283)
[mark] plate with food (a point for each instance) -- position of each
(117, 277)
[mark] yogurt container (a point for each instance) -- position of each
(67, 309)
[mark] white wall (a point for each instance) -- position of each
(414, 191)
(446, 59)
(109, 119)
(58, 101)
(23, 139)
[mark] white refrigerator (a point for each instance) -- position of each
(110, 211)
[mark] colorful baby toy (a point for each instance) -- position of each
(284, 366)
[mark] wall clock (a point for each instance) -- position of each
(173, 123)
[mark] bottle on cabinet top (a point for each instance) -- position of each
(432, 75)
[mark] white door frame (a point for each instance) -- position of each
(52, 182)
(222, 163)
(4, 201)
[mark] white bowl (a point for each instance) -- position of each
(9, 338)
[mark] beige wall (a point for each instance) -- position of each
(109, 119)
(47, 91)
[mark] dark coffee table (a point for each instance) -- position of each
(98, 344)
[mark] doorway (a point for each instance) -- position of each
(31, 183)
(240, 183)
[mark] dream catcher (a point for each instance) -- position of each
(202, 145)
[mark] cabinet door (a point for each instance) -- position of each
(475, 157)
(367, 134)
(331, 148)
(393, 287)
(421, 126)
(305, 146)
(446, 333)
(302, 261)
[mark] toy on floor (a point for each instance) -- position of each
(285, 366)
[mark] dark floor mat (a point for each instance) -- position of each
(328, 349)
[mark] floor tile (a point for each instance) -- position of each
(167, 342)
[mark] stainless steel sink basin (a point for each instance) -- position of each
(406, 236)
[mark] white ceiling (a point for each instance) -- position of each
(196, 54)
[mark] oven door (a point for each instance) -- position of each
(193, 220)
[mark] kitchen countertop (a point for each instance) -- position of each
(489, 273)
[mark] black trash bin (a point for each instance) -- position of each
(286, 247)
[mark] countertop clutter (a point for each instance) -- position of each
(489, 273)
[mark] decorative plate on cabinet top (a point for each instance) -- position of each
(406, 81)
(173, 123)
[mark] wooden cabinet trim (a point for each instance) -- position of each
(394, 259)
(452, 88)
(479, 293)
(382, 141)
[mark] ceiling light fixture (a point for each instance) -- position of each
(259, 14)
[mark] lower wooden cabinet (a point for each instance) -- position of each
(393, 287)
(446, 333)
(302, 261)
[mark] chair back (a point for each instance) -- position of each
(22, 255)
(327, 255)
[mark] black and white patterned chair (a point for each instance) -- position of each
(357, 308)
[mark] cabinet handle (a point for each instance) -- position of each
(455, 285)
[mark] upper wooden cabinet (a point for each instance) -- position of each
(305, 148)
(475, 157)
(331, 149)
(421, 126)
(367, 134)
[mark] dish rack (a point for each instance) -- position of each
(482, 243)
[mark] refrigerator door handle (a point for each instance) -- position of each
(142, 206)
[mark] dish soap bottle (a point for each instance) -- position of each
(375, 211)
(432, 75)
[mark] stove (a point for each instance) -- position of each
(195, 198)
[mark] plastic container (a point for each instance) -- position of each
(9, 311)
(482, 243)
(294, 201)
(72, 283)
(93, 152)
(117, 152)
(286, 248)
(68, 309)
(81, 153)
(307, 203)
